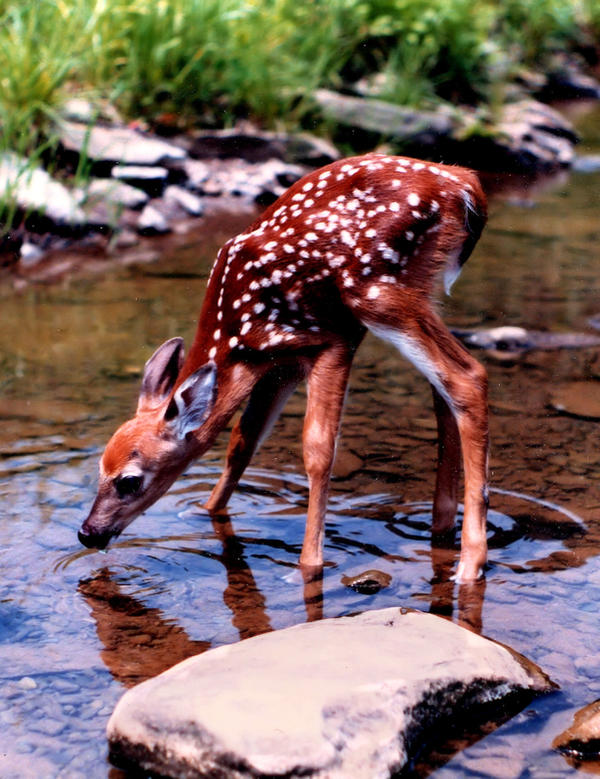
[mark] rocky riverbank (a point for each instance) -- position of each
(110, 183)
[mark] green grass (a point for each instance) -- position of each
(211, 62)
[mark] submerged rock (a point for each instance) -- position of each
(367, 582)
(582, 740)
(577, 398)
(510, 339)
(348, 697)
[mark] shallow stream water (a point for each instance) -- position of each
(77, 627)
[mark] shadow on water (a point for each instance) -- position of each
(77, 627)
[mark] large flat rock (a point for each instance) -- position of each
(345, 697)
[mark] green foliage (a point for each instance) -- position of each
(537, 29)
(213, 61)
(591, 18)
(34, 68)
(440, 47)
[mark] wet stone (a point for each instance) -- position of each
(326, 709)
(577, 398)
(582, 739)
(367, 582)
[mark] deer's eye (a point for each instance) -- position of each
(127, 485)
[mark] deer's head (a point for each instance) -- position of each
(147, 453)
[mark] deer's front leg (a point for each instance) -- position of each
(326, 393)
(264, 407)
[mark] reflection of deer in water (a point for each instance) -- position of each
(358, 245)
(139, 642)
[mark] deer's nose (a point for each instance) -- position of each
(93, 540)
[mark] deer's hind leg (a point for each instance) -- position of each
(449, 465)
(461, 382)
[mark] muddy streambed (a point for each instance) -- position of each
(77, 627)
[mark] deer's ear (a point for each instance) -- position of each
(161, 372)
(192, 401)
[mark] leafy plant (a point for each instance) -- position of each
(214, 61)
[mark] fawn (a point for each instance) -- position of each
(357, 245)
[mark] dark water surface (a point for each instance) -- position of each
(77, 627)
